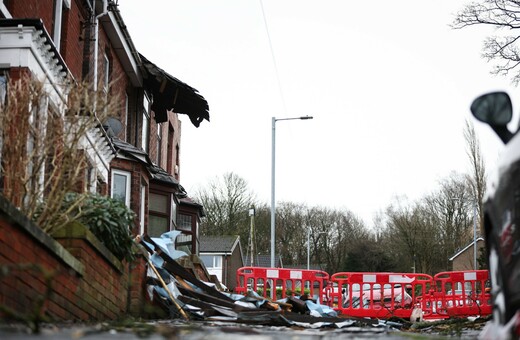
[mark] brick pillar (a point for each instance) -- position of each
(136, 287)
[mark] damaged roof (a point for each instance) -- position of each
(160, 175)
(156, 173)
(169, 93)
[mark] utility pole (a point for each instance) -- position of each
(252, 235)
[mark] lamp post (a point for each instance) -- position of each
(273, 205)
(309, 246)
(474, 235)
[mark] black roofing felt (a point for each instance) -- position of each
(169, 93)
(157, 173)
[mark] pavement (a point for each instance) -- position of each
(175, 329)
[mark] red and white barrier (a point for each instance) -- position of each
(287, 281)
(378, 295)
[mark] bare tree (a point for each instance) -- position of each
(477, 176)
(450, 209)
(503, 15)
(43, 148)
(226, 203)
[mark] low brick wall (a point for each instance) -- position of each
(72, 276)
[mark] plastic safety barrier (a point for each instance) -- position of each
(287, 281)
(376, 295)
(459, 294)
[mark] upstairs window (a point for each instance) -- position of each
(127, 121)
(3, 96)
(106, 75)
(159, 144)
(145, 124)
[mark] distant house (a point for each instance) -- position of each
(222, 256)
(263, 261)
(464, 259)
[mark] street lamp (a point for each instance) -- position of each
(309, 247)
(474, 235)
(273, 205)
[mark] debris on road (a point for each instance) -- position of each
(182, 294)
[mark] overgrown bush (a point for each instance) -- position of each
(43, 146)
(108, 218)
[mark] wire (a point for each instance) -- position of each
(274, 59)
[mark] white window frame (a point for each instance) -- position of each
(126, 118)
(214, 258)
(142, 210)
(145, 128)
(3, 98)
(128, 181)
(159, 144)
(106, 68)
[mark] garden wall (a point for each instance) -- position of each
(69, 277)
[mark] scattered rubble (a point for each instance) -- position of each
(181, 292)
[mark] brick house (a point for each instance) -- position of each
(135, 156)
(464, 258)
(222, 256)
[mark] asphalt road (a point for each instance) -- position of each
(173, 329)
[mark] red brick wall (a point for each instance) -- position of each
(28, 9)
(84, 283)
(73, 37)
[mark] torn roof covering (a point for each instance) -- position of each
(156, 172)
(169, 93)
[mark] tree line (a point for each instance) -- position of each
(407, 236)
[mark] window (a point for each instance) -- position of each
(3, 95)
(169, 151)
(158, 220)
(3, 88)
(142, 211)
(121, 186)
(91, 178)
(106, 76)
(184, 222)
(173, 214)
(212, 261)
(126, 118)
(159, 143)
(59, 11)
(145, 124)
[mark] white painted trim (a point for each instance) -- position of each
(56, 35)
(142, 210)
(23, 46)
(128, 176)
(5, 11)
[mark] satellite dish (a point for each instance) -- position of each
(113, 126)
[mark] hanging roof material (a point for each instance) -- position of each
(169, 93)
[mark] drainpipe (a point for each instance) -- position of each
(56, 37)
(96, 36)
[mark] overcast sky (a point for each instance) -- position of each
(389, 85)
